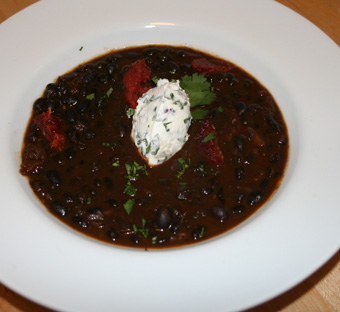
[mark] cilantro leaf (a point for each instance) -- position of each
(209, 137)
(198, 90)
(199, 113)
(129, 205)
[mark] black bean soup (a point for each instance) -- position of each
(83, 165)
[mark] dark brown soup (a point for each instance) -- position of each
(83, 165)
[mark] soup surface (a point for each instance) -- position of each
(83, 164)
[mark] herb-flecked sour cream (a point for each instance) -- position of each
(161, 121)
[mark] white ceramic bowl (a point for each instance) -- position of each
(283, 243)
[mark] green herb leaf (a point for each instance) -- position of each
(209, 137)
(129, 205)
(130, 189)
(198, 90)
(184, 165)
(116, 163)
(108, 93)
(130, 112)
(199, 113)
(90, 96)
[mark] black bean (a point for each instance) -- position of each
(219, 212)
(220, 195)
(54, 177)
(135, 239)
(254, 198)
(173, 67)
(176, 227)
(68, 198)
(207, 191)
(70, 100)
(112, 234)
(82, 197)
(113, 203)
(59, 208)
(240, 143)
(274, 158)
(89, 77)
(40, 105)
(237, 94)
(111, 68)
(238, 209)
(70, 116)
(83, 106)
(185, 68)
(97, 182)
(163, 217)
(254, 108)
(78, 220)
(113, 58)
(241, 108)
(51, 89)
(273, 123)
(132, 55)
(69, 153)
(198, 232)
(184, 193)
(53, 103)
(72, 135)
(239, 173)
(240, 197)
(89, 134)
(108, 182)
(102, 78)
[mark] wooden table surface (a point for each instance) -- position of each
(321, 291)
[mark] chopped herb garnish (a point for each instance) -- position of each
(153, 240)
(129, 205)
(81, 48)
(209, 137)
(89, 199)
(184, 165)
(165, 124)
(202, 232)
(116, 163)
(183, 183)
(155, 80)
(108, 93)
(220, 109)
(143, 230)
(130, 189)
(106, 144)
(199, 113)
(130, 112)
(198, 89)
(90, 96)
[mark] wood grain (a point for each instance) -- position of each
(319, 292)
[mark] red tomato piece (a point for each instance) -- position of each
(136, 82)
(205, 67)
(51, 127)
(209, 149)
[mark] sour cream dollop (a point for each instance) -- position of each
(161, 121)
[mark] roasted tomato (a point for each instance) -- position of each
(205, 67)
(137, 82)
(51, 127)
(207, 144)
